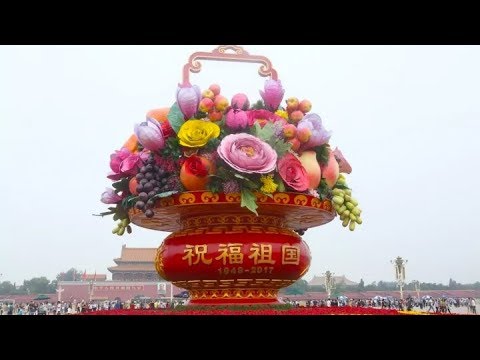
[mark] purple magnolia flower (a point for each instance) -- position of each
(247, 153)
(110, 197)
(188, 98)
(240, 101)
(236, 119)
(125, 163)
(150, 135)
(319, 135)
(273, 94)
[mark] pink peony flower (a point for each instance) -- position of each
(240, 101)
(319, 135)
(188, 99)
(110, 197)
(236, 119)
(273, 94)
(292, 172)
(150, 134)
(125, 163)
(247, 154)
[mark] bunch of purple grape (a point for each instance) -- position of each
(152, 180)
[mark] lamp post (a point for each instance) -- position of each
(416, 283)
(399, 265)
(329, 283)
(59, 291)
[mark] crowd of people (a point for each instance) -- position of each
(79, 307)
(426, 303)
(440, 305)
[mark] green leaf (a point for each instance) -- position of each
(249, 200)
(164, 194)
(323, 154)
(129, 201)
(175, 117)
(116, 216)
(265, 133)
(121, 185)
(258, 105)
(281, 147)
(247, 182)
(105, 213)
(278, 180)
(324, 191)
(341, 186)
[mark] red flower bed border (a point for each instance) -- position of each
(254, 311)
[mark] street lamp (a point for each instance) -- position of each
(416, 283)
(329, 283)
(399, 265)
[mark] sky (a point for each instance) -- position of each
(406, 118)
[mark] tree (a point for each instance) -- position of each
(7, 288)
(299, 287)
(70, 275)
(361, 285)
(39, 285)
(452, 284)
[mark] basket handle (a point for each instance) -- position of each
(220, 54)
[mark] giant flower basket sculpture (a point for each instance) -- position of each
(236, 184)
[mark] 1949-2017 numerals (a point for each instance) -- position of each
(240, 270)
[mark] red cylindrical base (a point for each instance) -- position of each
(233, 259)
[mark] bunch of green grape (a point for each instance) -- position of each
(345, 205)
(122, 225)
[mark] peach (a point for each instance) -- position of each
(208, 94)
(206, 104)
(221, 103)
(132, 186)
(305, 106)
(292, 104)
(310, 163)
(304, 134)
(215, 88)
(289, 131)
(295, 144)
(160, 115)
(296, 116)
(331, 171)
(214, 115)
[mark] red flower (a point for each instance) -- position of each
(292, 172)
(195, 166)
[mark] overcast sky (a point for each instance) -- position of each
(407, 118)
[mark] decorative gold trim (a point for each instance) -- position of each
(281, 198)
(232, 219)
(300, 200)
(234, 294)
(209, 197)
(186, 198)
(159, 261)
(234, 283)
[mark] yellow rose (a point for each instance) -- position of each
(196, 133)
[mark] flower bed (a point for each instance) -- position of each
(255, 310)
